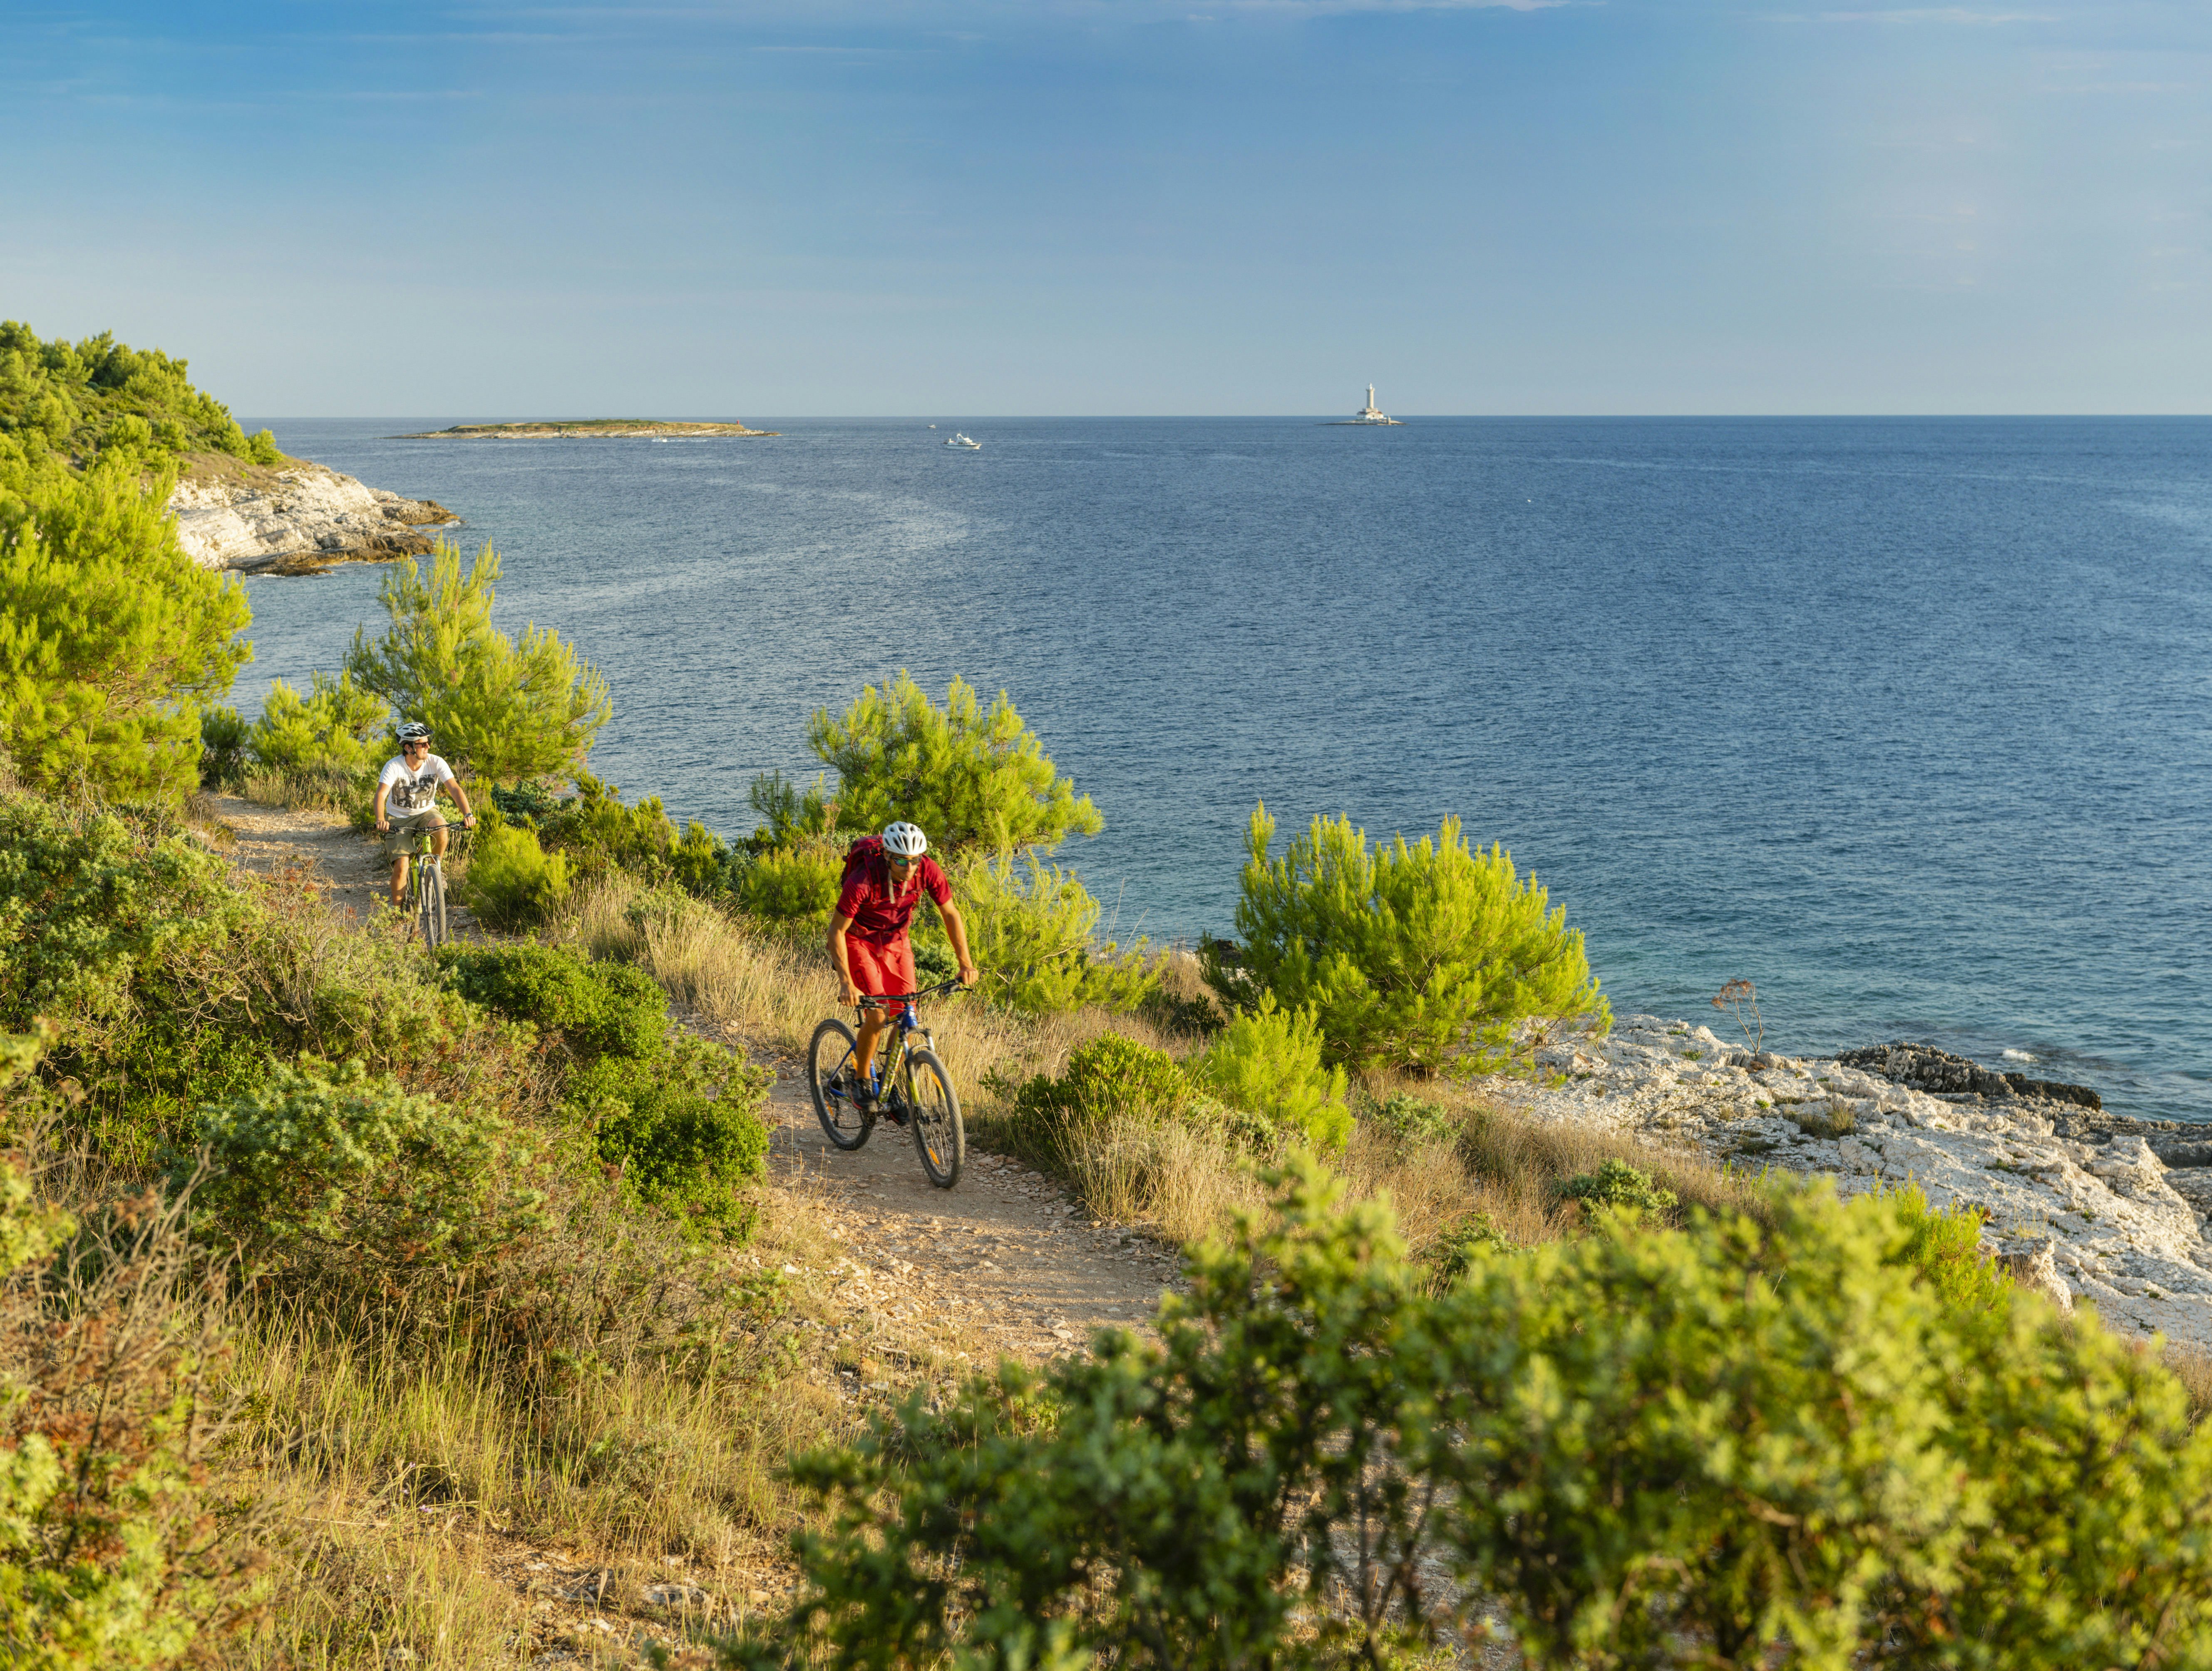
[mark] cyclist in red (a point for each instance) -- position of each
(868, 931)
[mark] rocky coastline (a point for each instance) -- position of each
(294, 518)
(2077, 1201)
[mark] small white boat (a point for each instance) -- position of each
(964, 443)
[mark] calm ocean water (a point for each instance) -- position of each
(1905, 720)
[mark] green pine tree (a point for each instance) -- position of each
(969, 778)
(512, 713)
(1418, 957)
(110, 636)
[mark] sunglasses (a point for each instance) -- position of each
(902, 864)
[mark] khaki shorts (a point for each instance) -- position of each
(405, 826)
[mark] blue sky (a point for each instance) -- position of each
(949, 207)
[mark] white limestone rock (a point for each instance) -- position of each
(2103, 1223)
(296, 517)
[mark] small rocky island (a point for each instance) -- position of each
(578, 429)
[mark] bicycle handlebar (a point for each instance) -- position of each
(871, 1000)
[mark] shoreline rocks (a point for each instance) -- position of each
(296, 517)
(2111, 1208)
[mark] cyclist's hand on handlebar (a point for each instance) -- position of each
(969, 974)
(469, 822)
(384, 826)
(852, 992)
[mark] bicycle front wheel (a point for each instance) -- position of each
(934, 1112)
(431, 890)
(829, 1081)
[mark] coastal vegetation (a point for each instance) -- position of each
(76, 403)
(323, 1264)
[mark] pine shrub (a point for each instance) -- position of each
(1270, 1061)
(509, 712)
(971, 779)
(1031, 928)
(1418, 957)
(110, 636)
(512, 882)
(223, 732)
(334, 729)
(794, 886)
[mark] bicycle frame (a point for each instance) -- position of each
(906, 1020)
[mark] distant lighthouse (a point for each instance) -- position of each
(1370, 413)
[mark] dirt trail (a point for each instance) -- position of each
(348, 865)
(1003, 1258)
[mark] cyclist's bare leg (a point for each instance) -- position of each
(864, 1043)
(438, 836)
(399, 881)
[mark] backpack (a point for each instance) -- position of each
(861, 858)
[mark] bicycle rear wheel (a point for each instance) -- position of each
(938, 1136)
(828, 1056)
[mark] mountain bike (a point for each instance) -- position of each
(426, 890)
(911, 1087)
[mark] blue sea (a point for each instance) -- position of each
(1905, 720)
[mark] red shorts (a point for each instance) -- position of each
(881, 968)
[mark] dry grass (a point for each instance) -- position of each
(1179, 1183)
(776, 991)
(2192, 1368)
(421, 1487)
(322, 790)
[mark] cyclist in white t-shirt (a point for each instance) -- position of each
(407, 803)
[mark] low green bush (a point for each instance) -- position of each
(600, 835)
(328, 1167)
(1461, 1246)
(1616, 1184)
(683, 1127)
(1269, 1060)
(595, 1009)
(1735, 1444)
(1154, 1507)
(1111, 1075)
(173, 982)
(512, 882)
(1412, 1119)
(1418, 957)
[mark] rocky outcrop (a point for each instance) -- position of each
(1924, 1068)
(296, 517)
(2071, 1197)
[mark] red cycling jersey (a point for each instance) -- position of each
(880, 910)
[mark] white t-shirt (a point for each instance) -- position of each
(413, 792)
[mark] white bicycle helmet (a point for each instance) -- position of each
(414, 732)
(904, 840)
